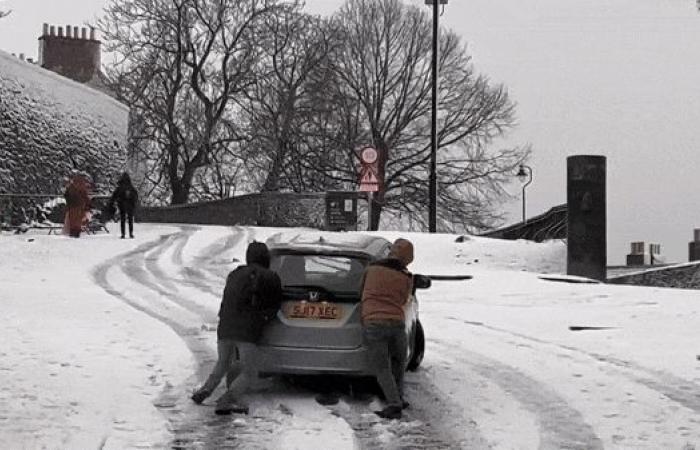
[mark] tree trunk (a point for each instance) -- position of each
(181, 187)
(180, 193)
(272, 182)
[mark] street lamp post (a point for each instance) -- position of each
(432, 180)
(525, 171)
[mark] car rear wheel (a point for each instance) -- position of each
(418, 348)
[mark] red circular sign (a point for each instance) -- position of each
(369, 155)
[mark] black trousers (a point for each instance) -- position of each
(125, 215)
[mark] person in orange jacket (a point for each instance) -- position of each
(386, 291)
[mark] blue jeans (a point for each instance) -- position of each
(387, 346)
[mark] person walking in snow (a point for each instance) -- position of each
(77, 204)
(126, 197)
(386, 291)
(252, 297)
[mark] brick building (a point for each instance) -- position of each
(74, 53)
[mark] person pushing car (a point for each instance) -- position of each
(252, 296)
(386, 291)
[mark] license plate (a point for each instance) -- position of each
(316, 311)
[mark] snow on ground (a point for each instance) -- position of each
(103, 339)
(80, 369)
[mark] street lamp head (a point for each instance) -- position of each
(522, 174)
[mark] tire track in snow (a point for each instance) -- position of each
(188, 275)
(195, 426)
(99, 275)
(561, 426)
(675, 388)
(137, 266)
(192, 426)
(207, 259)
(433, 421)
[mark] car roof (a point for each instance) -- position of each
(328, 242)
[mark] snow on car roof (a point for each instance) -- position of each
(342, 241)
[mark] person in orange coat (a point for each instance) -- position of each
(386, 293)
(77, 204)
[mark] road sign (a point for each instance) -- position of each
(368, 179)
(369, 156)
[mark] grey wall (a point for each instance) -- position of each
(267, 209)
(685, 276)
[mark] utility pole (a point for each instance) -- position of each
(432, 189)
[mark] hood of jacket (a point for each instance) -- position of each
(124, 180)
(257, 253)
(402, 249)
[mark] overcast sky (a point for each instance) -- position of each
(610, 77)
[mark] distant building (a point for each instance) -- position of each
(694, 247)
(639, 256)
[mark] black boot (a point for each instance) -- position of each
(200, 394)
(390, 412)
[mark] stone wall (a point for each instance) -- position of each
(266, 209)
(684, 276)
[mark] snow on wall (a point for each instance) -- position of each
(51, 125)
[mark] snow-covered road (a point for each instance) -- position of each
(93, 332)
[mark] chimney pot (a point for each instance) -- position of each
(697, 235)
(52, 30)
(21, 56)
(92, 33)
(60, 31)
(45, 31)
(30, 60)
(84, 33)
(68, 31)
(76, 33)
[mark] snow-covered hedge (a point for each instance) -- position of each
(51, 125)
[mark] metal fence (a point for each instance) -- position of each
(41, 210)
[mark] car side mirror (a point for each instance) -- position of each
(421, 282)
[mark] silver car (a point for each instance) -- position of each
(317, 330)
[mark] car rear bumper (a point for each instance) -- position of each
(310, 361)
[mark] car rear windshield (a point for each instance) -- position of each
(335, 274)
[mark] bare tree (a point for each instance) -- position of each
(182, 66)
(382, 72)
(282, 102)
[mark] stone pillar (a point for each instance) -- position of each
(694, 247)
(586, 204)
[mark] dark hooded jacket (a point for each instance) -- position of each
(252, 297)
(125, 195)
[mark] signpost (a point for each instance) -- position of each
(369, 178)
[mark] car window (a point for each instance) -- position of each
(334, 273)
